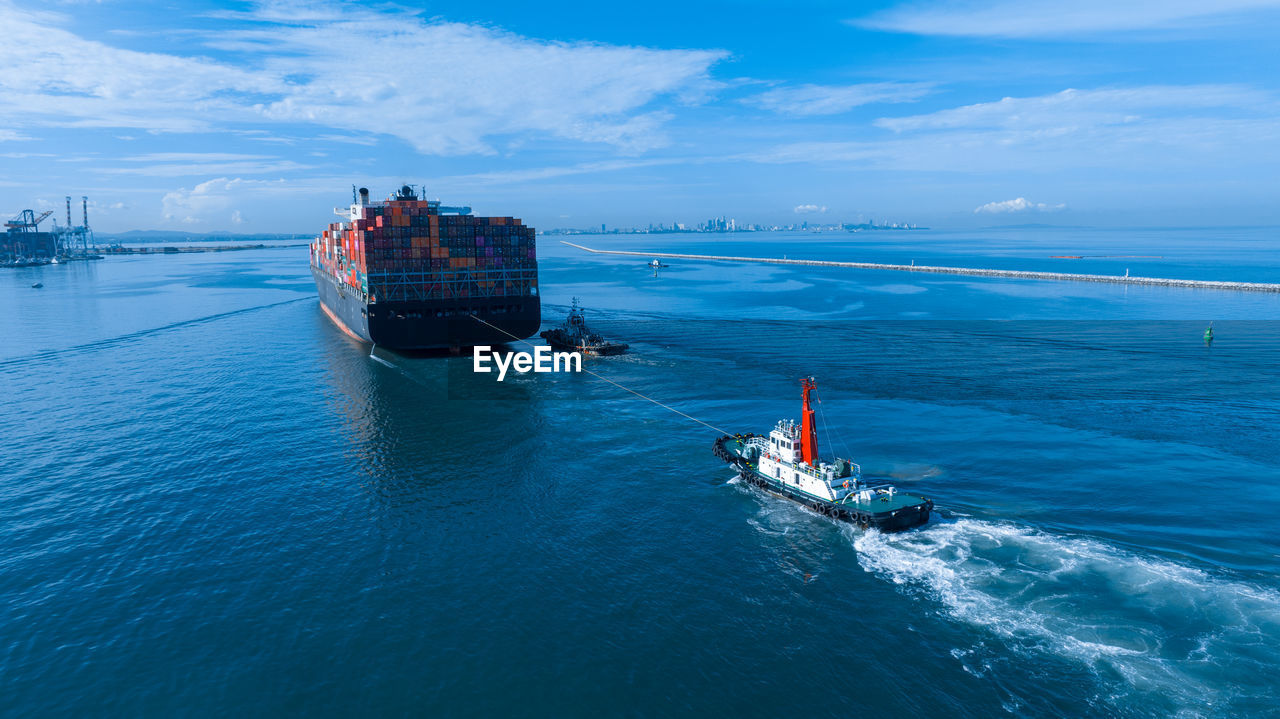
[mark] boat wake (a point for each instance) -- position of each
(107, 342)
(1188, 642)
(373, 355)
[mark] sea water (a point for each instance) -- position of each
(213, 501)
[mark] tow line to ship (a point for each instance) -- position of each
(615, 384)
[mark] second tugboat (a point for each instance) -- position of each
(786, 463)
(574, 336)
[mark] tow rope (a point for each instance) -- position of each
(667, 407)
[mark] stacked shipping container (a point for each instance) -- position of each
(405, 250)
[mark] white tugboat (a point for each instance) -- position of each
(786, 463)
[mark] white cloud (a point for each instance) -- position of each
(546, 173)
(192, 157)
(1072, 109)
(807, 100)
(1182, 128)
(444, 88)
(1017, 205)
(468, 83)
(237, 218)
(1050, 18)
(350, 139)
(807, 209)
(214, 197)
(66, 80)
(189, 164)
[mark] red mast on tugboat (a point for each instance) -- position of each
(808, 432)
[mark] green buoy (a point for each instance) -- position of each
(1208, 335)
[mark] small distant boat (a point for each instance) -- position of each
(38, 285)
(575, 336)
(655, 264)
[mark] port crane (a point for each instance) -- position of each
(27, 221)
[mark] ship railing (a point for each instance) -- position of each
(813, 471)
(865, 495)
(818, 474)
(403, 286)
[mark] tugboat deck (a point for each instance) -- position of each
(880, 502)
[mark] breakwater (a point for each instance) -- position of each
(180, 249)
(967, 271)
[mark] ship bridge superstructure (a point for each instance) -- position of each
(781, 456)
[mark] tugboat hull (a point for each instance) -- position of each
(604, 349)
(887, 514)
(574, 336)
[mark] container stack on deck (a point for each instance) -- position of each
(405, 250)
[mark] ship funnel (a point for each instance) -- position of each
(364, 196)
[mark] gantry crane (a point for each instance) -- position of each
(27, 221)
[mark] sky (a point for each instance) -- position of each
(258, 117)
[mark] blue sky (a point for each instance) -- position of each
(258, 117)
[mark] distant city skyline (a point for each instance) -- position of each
(730, 224)
(257, 117)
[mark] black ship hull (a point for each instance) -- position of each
(428, 324)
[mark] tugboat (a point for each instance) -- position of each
(574, 336)
(786, 464)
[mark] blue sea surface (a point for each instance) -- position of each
(213, 501)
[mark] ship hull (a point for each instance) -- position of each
(894, 520)
(884, 521)
(428, 324)
(602, 350)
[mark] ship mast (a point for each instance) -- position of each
(808, 433)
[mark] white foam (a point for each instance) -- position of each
(1188, 638)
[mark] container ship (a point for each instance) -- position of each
(409, 273)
